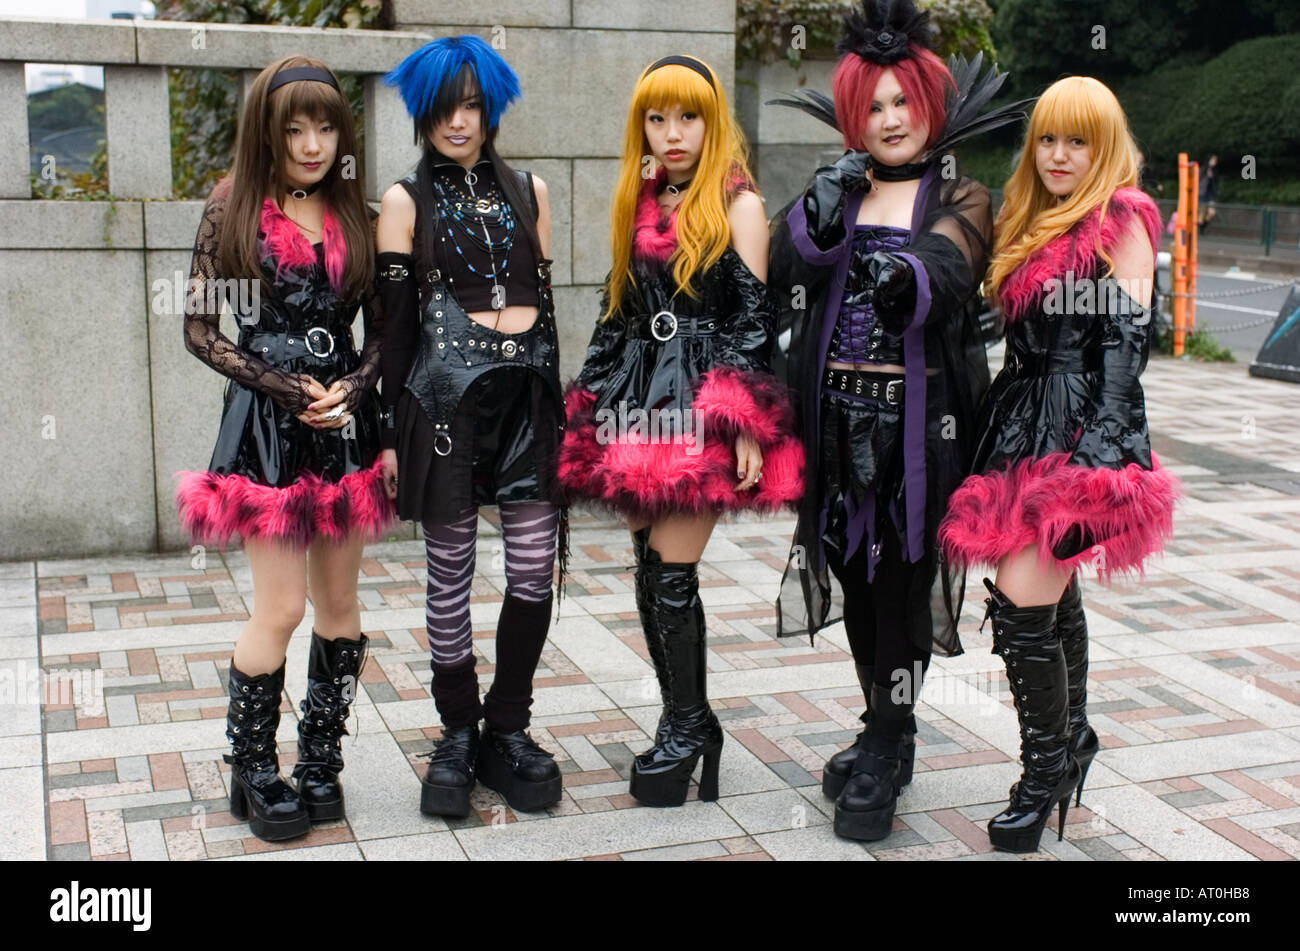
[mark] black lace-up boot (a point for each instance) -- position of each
(1072, 626)
(333, 679)
(1030, 646)
(271, 806)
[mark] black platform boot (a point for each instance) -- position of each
(641, 545)
(271, 806)
(510, 762)
(453, 763)
(836, 771)
(1072, 626)
(865, 808)
(333, 678)
(676, 636)
(1030, 646)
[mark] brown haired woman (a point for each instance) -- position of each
(294, 470)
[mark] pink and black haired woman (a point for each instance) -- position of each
(295, 469)
(1065, 476)
(878, 266)
(676, 417)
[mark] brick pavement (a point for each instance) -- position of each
(1194, 689)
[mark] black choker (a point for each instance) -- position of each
(301, 193)
(680, 187)
(899, 173)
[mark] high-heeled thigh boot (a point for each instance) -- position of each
(1027, 640)
(333, 678)
(1072, 625)
(272, 807)
(676, 633)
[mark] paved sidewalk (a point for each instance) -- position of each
(1195, 690)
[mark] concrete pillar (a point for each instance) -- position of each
(138, 124)
(390, 152)
(15, 167)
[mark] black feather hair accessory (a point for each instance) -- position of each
(881, 31)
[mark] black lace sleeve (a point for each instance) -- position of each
(203, 336)
(366, 375)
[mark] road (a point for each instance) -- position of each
(1217, 313)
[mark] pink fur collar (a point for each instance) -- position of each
(290, 247)
(1076, 249)
(653, 237)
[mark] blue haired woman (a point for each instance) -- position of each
(472, 408)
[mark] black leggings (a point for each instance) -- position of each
(876, 614)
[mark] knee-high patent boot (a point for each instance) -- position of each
(640, 546)
(1072, 625)
(1028, 642)
(662, 774)
(333, 678)
(272, 807)
(836, 771)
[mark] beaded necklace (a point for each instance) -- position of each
(464, 214)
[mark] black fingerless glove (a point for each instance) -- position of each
(401, 302)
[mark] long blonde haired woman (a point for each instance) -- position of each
(675, 416)
(1065, 475)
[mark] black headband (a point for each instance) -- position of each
(299, 73)
(689, 62)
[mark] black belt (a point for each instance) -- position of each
(873, 386)
(1047, 362)
(277, 347)
(665, 325)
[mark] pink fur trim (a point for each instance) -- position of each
(213, 508)
(653, 237)
(1076, 249)
(1128, 512)
(734, 401)
(290, 247)
(631, 477)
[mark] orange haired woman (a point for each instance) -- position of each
(1065, 472)
(676, 416)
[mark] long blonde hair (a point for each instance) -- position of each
(703, 232)
(1030, 216)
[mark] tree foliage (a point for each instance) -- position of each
(768, 30)
(204, 102)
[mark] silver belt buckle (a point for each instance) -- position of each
(654, 325)
(889, 391)
(311, 346)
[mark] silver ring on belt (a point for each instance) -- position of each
(654, 325)
(312, 335)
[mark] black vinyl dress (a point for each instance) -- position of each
(272, 476)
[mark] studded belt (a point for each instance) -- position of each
(873, 386)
